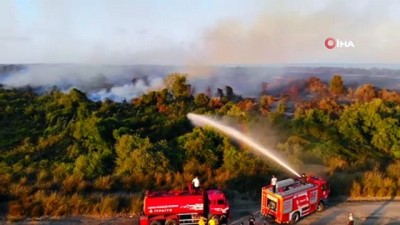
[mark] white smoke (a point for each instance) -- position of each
(98, 82)
(127, 91)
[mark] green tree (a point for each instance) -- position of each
(177, 84)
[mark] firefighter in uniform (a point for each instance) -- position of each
(202, 221)
(212, 221)
(351, 220)
(273, 183)
(303, 179)
(223, 220)
(252, 221)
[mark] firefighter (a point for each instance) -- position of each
(196, 183)
(252, 221)
(303, 179)
(212, 221)
(351, 220)
(223, 220)
(202, 221)
(273, 183)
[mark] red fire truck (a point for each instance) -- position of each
(293, 199)
(182, 207)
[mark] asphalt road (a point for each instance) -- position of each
(365, 213)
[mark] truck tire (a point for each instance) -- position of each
(155, 222)
(321, 206)
(295, 218)
(171, 222)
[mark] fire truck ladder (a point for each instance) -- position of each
(297, 189)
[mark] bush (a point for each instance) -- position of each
(15, 211)
(104, 183)
(107, 206)
(336, 164)
(74, 183)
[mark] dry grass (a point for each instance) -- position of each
(20, 190)
(104, 183)
(374, 184)
(15, 211)
(74, 183)
(107, 206)
(336, 164)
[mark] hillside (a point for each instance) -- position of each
(64, 154)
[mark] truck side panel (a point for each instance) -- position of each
(174, 204)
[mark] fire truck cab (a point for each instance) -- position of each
(293, 199)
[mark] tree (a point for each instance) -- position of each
(315, 85)
(365, 92)
(336, 85)
(176, 83)
(136, 155)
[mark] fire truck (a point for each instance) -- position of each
(182, 207)
(293, 199)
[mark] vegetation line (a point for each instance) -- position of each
(64, 154)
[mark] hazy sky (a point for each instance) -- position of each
(197, 32)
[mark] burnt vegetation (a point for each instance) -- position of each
(64, 154)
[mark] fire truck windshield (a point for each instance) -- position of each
(221, 202)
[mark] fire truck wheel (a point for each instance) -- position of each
(171, 222)
(295, 217)
(155, 222)
(320, 207)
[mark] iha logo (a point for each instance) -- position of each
(331, 43)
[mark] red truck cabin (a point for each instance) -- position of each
(218, 203)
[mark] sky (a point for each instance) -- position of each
(202, 32)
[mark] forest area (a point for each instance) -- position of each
(64, 154)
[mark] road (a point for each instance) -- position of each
(365, 213)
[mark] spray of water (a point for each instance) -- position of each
(199, 120)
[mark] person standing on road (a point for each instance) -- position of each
(273, 183)
(351, 220)
(223, 220)
(252, 221)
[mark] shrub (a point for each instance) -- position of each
(355, 190)
(393, 170)
(136, 204)
(336, 164)
(74, 183)
(19, 191)
(107, 206)
(15, 211)
(104, 183)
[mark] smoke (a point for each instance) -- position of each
(126, 82)
(99, 82)
(128, 91)
(284, 34)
